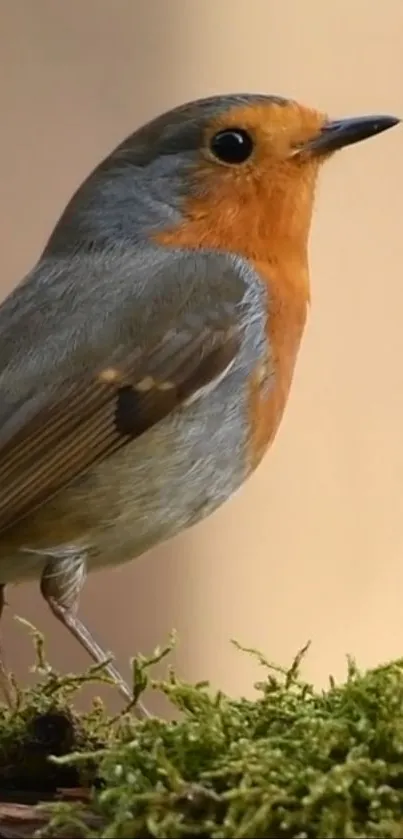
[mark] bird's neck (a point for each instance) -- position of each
(275, 242)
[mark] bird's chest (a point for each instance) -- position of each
(222, 438)
(285, 315)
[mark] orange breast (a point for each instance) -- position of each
(285, 323)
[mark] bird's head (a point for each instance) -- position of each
(231, 172)
(251, 174)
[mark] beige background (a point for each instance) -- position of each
(312, 547)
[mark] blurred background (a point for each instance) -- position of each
(312, 546)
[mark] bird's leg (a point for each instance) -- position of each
(62, 580)
(5, 687)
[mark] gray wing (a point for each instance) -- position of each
(96, 351)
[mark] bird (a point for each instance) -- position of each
(147, 358)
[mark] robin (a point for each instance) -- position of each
(147, 358)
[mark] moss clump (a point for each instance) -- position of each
(294, 762)
(43, 725)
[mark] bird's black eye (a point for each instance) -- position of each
(232, 145)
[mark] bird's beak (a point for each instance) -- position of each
(336, 134)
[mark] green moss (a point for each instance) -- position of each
(294, 762)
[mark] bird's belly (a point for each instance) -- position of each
(163, 482)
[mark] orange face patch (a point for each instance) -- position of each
(263, 206)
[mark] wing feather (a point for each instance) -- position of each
(86, 417)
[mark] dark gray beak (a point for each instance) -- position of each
(344, 132)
